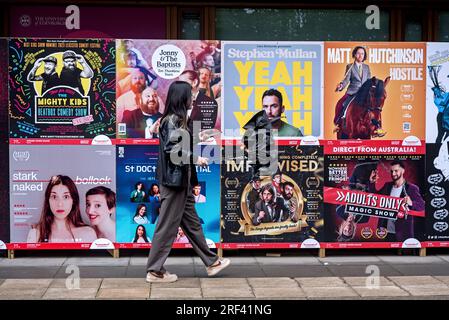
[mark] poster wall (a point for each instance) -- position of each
(293, 69)
(4, 191)
(145, 71)
(139, 198)
(62, 194)
(374, 192)
(395, 101)
(283, 208)
(61, 88)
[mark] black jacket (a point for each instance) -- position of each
(173, 139)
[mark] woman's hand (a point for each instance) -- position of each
(339, 87)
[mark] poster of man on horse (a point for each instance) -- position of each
(374, 90)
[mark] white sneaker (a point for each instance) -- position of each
(160, 277)
(217, 267)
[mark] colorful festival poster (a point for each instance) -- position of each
(374, 90)
(374, 192)
(139, 197)
(145, 71)
(285, 207)
(61, 88)
(293, 70)
(62, 195)
(437, 96)
(437, 204)
(4, 191)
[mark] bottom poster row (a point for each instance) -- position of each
(78, 194)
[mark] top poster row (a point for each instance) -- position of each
(118, 89)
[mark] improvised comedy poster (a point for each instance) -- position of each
(282, 78)
(145, 71)
(374, 192)
(139, 201)
(61, 88)
(283, 208)
(374, 90)
(437, 204)
(4, 191)
(62, 194)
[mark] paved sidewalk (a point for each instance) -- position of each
(251, 277)
(404, 287)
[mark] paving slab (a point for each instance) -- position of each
(74, 294)
(33, 262)
(117, 283)
(181, 283)
(228, 292)
(329, 292)
(444, 257)
(268, 282)
(98, 262)
(96, 272)
(381, 291)
(234, 271)
(361, 281)
(415, 280)
(436, 269)
(279, 293)
(25, 284)
(237, 261)
(361, 270)
(22, 294)
(351, 260)
(175, 293)
(29, 272)
(293, 261)
(124, 293)
(84, 283)
(428, 290)
(179, 261)
(321, 282)
(223, 282)
(138, 261)
(444, 279)
(296, 271)
(411, 259)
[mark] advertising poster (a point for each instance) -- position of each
(437, 204)
(61, 88)
(374, 192)
(145, 71)
(62, 196)
(139, 197)
(437, 94)
(87, 22)
(4, 191)
(374, 90)
(292, 69)
(285, 208)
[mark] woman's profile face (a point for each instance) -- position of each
(97, 209)
(140, 231)
(61, 201)
(139, 186)
(142, 211)
(360, 55)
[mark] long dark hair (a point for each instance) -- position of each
(179, 98)
(144, 236)
(47, 217)
(140, 206)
